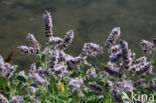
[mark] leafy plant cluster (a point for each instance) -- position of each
(57, 77)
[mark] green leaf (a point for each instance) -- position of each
(154, 63)
(43, 57)
(21, 78)
(37, 58)
(3, 83)
(148, 59)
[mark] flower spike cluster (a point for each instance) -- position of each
(117, 96)
(34, 49)
(58, 73)
(56, 41)
(90, 49)
(96, 87)
(126, 55)
(3, 99)
(15, 99)
(32, 40)
(53, 59)
(38, 79)
(67, 39)
(6, 69)
(75, 83)
(48, 24)
(147, 46)
(114, 35)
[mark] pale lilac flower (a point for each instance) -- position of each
(109, 84)
(68, 57)
(126, 85)
(33, 42)
(126, 55)
(116, 57)
(1, 60)
(35, 49)
(27, 50)
(67, 39)
(91, 72)
(142, 60)
(135, 67)
(117, 96)
(3, 99)
(55, 41)
(132, 55)
(33, 90)
(114, 49)
(48, 24)
(62, 55)
(43, 71)
(3, 71)
(22, 73)
(147, 46)
(75, 83)
(112, 65)
(114, 35)
(6, 69)
(16, 99)
(146, 67)
(38, 79)
(151, 86)
(46, 51)
(71, 62)
(112, 72)
(60, 70)
(119, 84)
(33, 68)
(96, 87)
(140, 63)
(23, 49)
(10, 68)
(138, 83)
(91, 49)
(53, 59)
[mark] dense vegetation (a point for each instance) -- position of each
(58, 77)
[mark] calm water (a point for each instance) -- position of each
(92, 21)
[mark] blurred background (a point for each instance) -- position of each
(91, 20)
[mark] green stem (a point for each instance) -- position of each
(53, 94)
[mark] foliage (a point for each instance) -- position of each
(58, 77)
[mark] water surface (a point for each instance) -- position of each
(91, 20)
